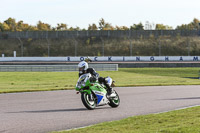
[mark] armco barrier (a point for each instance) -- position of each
(55, 68)
(102, 59)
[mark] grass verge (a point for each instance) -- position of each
(43, 81)
(179, 121)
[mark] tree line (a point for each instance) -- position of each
(12, 25)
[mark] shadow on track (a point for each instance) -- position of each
(58, 110)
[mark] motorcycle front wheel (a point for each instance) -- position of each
(88, 103)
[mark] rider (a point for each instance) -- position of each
(83, 68)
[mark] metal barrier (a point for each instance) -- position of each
(54, 68)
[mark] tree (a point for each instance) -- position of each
(108, 26)
(101, 24)
(92, 27)
(21, 26)
(43, 27)
(61, 26)
(11, 22)
(137, 27)
(194, 25)
(163, 27)
(4, 27)
(32, 28)
(121, 28)
(1, 27)
(74, 29)
(77, 28)
(105, 26)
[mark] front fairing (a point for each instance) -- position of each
(83, 82)
(98, 87)
(100, 93)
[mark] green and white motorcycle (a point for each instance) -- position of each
(94, 94)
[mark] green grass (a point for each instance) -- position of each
(180, 121)
(36, 81)
(156, 76)
(39, 81)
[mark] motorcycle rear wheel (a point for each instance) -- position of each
(114, 102)
(88, 103)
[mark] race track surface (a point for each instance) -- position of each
(41, 112)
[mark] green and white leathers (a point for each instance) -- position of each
(94, 94)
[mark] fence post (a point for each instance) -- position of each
(159, 45)
(75, 44)
(48, 47)
(188, 44)
(102, 46)
(22, 47)
(131, 46)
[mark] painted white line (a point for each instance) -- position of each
(177, 109)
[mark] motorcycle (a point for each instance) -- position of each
(94, 94)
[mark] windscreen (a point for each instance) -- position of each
(83, 78)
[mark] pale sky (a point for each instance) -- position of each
(117, 12)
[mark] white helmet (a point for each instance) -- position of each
(82, 66)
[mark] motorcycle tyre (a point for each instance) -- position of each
(86, 102)
(112, 102)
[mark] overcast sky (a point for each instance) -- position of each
(117, 12)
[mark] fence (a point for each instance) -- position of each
(54, 68)
(100, 43)
(103, 33)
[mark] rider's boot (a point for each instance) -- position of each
(109, 90)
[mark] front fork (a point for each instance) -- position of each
(91, 98)
(90, 94)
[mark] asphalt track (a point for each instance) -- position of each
(41, 112)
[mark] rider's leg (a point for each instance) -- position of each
(103, 81)
(109, 89)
